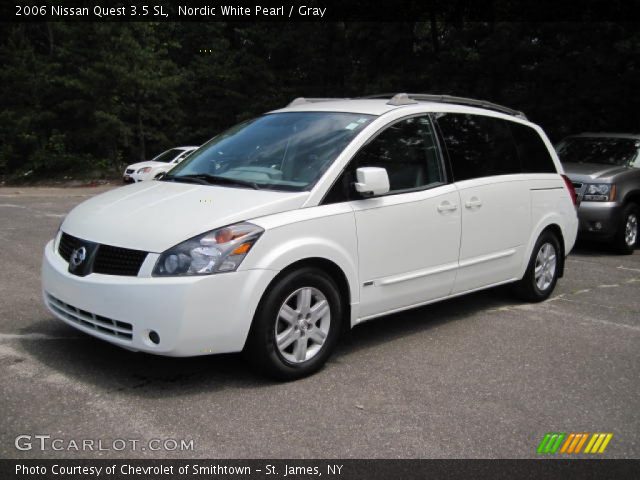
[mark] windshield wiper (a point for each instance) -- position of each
(184, 178)
(209, 179)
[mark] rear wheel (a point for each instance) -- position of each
(626, 238)
(542, 272)
(296, 326)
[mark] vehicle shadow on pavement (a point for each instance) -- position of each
(82, 358)
(591, 248)
(391, 327)
(86, 359)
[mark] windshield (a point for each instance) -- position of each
(280, 151)
(602, 150)
(169, 155)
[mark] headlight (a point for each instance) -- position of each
(144, 170)
(220, 250)
(599, 192)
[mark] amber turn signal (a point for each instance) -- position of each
(242, 249)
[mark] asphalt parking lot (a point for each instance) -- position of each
(479, 376)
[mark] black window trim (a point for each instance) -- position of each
(442, 147)
(444, 166)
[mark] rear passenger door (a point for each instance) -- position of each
(494, 196)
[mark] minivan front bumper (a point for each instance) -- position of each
(191, 315)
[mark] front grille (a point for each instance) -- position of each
(118, 261)
(108, 260)
(129, 170)
(67, 245)
(99, 323)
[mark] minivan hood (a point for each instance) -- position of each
(591, 171)
(154, 216)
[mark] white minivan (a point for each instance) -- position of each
(282, 231)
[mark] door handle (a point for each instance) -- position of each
(473, 202)
(447, 207)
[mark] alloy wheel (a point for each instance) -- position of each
(302, 325)
(631, 230)
(545, 268)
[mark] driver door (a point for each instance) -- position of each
(409, 238)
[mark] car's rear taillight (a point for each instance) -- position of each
(572, 191)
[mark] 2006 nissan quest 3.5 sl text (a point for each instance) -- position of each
(281, 232)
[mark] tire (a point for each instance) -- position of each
(626, 238)
(542, 272)
(286, 316)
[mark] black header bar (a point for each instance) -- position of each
(337, 469)
(321, 11)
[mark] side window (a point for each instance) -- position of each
(478, 146)
(533, 152)
(406, 149)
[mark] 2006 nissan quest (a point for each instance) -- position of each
(280, 232)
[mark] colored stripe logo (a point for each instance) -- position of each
(573, 443)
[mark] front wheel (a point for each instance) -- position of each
(296, 325)
(542, 272)
(626, 238)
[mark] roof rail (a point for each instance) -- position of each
(411, 98)
(303, 100)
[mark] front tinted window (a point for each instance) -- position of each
(603, 150)
(406, 150)
(533, 153)
(281, 151)
(478, 146)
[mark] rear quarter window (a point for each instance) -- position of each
(478, 146)
(533, 152)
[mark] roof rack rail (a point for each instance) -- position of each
(411, 98)
(303, 100)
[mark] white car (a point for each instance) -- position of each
(282, 231)
(151, 169)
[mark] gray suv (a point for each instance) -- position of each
(605, 171)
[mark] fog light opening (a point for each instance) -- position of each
(154, 337)
(595, 226)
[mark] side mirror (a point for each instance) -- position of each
(371, 181)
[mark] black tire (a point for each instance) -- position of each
(261, 349)
(528, 288)
(621, 242)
